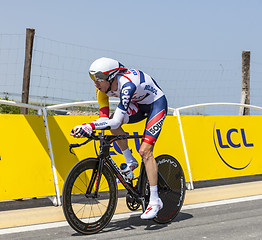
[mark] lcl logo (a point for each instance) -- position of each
(233, 139)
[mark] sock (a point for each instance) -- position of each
(153, 194)
(128, 156)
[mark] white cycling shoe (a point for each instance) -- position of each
(152, 210)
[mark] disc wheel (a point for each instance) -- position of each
(171, 188)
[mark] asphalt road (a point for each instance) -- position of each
(234, 221)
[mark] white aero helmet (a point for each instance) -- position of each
(104, 69)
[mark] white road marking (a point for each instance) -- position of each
(221, 202)
(125, 215)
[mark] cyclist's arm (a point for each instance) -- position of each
(126, 94)
(103, 102)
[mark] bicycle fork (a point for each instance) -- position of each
(96, 176)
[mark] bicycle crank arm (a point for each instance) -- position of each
(142, 201)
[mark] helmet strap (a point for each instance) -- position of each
(109, 89)
(110, 85)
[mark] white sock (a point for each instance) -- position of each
(128, 156)
(153, 194)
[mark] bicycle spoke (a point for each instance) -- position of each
(79, 189)
(90, 191)
(80, 210)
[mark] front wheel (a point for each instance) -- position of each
(171, 188)
(84, 211)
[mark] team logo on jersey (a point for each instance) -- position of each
(151, 89)
(155, 124)
(99, 124)
(125, 96)
(139, 98)
(132, 109)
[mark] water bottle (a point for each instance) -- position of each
(127, 171)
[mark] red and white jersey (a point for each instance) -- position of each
(134, 87)
(144, 89)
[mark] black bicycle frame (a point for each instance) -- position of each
(104, 158)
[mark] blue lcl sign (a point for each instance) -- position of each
(229, 139)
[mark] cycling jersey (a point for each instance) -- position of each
(140, 98)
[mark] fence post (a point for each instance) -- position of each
(177, 113)
(30, 33)
(245, 95)
(56, 200)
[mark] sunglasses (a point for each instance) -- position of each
(99, 76)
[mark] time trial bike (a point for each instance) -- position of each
(90, 191)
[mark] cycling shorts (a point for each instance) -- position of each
(155, 114)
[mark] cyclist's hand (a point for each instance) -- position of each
(81, 131)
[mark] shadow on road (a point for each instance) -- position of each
(134, 221)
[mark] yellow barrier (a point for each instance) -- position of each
(223, 146)
(25, 169)
(60, 127)
(217, 146)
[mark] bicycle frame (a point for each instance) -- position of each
(128, 185)
(104, 158)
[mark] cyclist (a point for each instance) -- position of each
(140, 98)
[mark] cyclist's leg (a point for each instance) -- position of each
(122, 144)
(146, 152)
(155, 203)
(153, 127)
(133, 115)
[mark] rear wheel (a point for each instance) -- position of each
(85, 212)
(171, 188)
